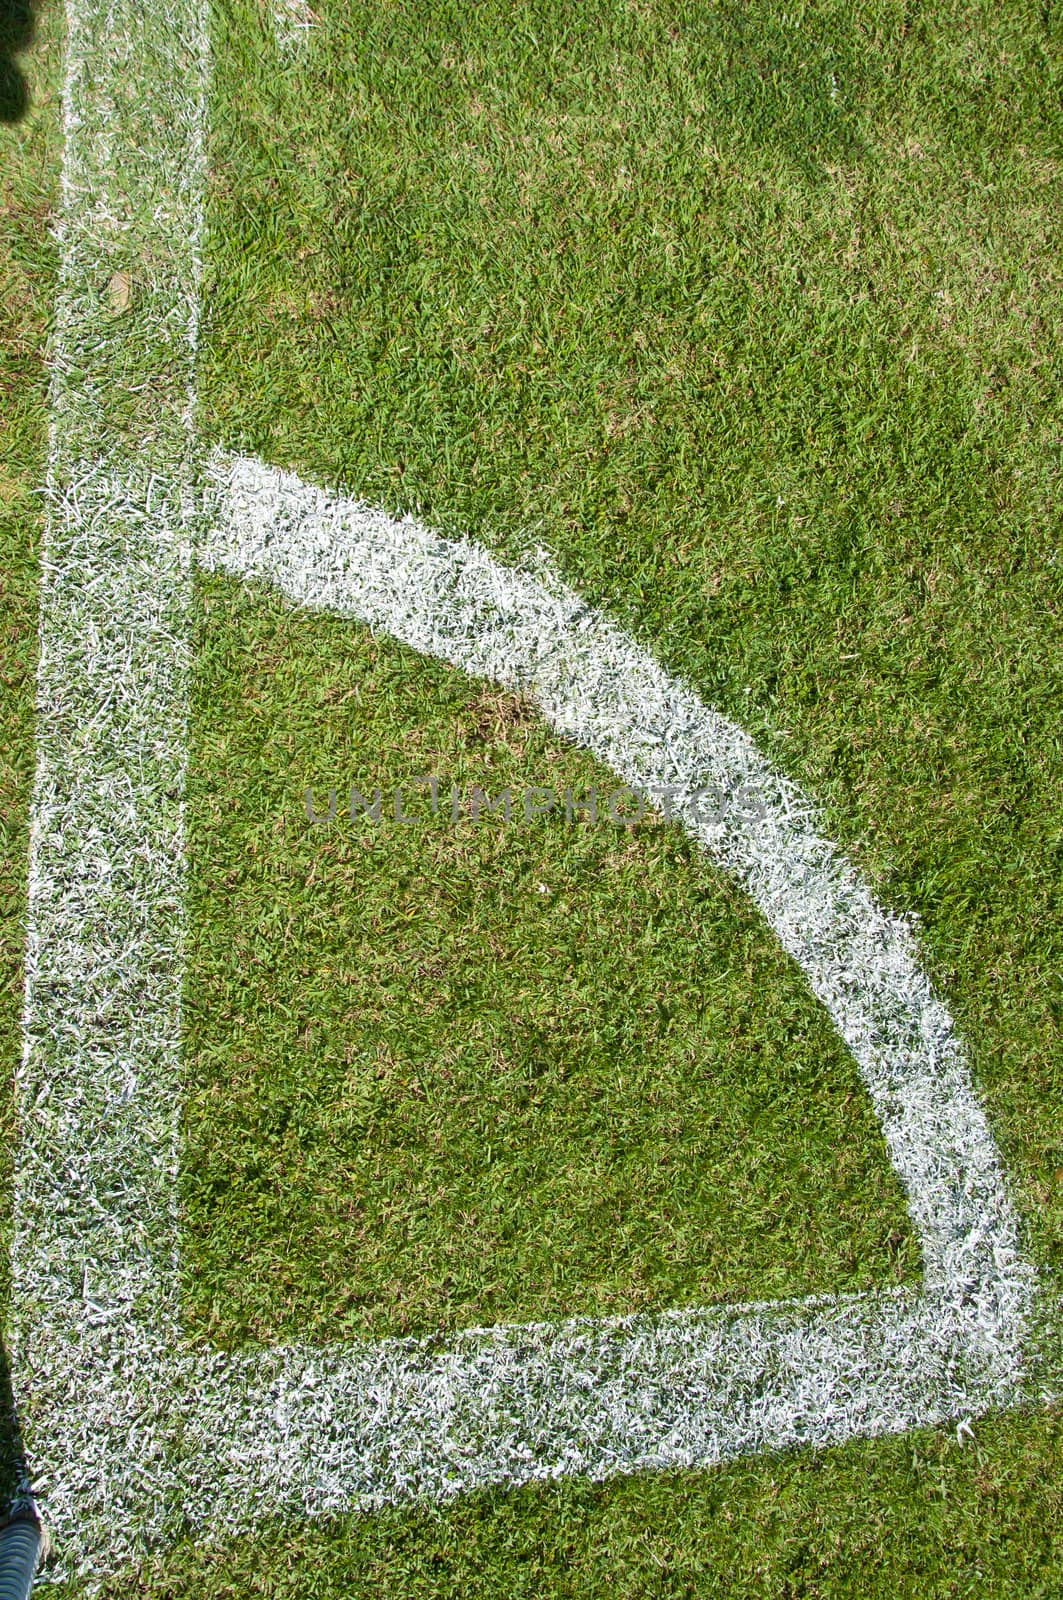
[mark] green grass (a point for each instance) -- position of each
(773, 371)
(915, 1518)
(462, 1074)
(755, 334)
(29, 154)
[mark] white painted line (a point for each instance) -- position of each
(130, 1434)
(292, 22)
(597, 686)
(321, 1431)
(95, 1290)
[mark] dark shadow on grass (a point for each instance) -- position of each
(773, 84)
(17, 27)
(14, 1475)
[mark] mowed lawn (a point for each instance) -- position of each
(746, 318)
(751, 319)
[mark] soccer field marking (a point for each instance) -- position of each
(594, 684)
(94, 1256)
(292, 22)
(129, 1433)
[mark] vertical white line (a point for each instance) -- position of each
(94, 1256)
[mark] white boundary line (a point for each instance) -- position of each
(129, 1433)
(94, 1259)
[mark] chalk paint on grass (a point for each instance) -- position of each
(132, 1436)
(94, 1259)
(292, 23)
(595, 685)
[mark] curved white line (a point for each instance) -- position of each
(597, 686)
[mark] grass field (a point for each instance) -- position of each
(29, 170)
(752, 320)
(482, 1072)
(765, 389)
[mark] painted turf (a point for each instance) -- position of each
(292, 23)
(131, 1435)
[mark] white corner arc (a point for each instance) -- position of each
(131, 1434)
